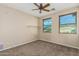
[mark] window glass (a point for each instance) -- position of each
(68, 23)
(47, 24)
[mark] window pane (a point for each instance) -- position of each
(68, 23)
(47, 23)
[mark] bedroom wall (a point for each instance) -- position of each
(16, 28)
(70, 40)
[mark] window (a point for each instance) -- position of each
(47, 24)
(68, 23)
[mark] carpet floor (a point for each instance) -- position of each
(40, 48)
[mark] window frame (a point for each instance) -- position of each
(43, 25)
(75, 22)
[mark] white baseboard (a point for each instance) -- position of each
(17, 45)
(61, 44)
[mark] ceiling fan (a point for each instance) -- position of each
(42, 7)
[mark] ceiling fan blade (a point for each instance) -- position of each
(46, 10)
(46, 5)
(36, 4)
(40, 5)
(35, 9)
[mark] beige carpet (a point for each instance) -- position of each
(40, 48)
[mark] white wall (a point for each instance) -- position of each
(70, 40)
(16, 27)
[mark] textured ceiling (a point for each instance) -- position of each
(27, 7)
